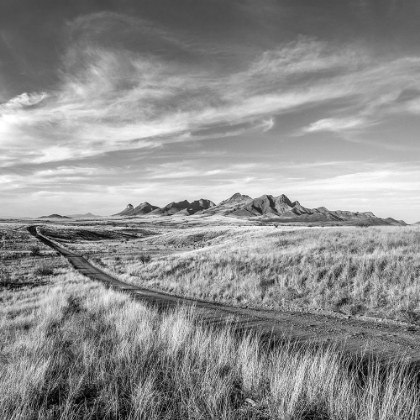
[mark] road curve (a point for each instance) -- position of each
(384, 340)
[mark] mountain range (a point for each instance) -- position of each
(266, 207)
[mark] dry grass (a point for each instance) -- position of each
(76, 350)
(25, 261)
(372, 271)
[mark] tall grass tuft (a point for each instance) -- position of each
(93, 353)
(42, 269)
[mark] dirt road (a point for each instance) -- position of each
(385, 340)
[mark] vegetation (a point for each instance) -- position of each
(24, 260)
(373, 271)
(145, 258)
(42, 269)
(76, 350)
(5, 278)
(35, 251)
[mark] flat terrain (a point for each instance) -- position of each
(370, 272)
(387, 339)
(73, 348)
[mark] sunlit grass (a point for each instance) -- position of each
(75, 350)
(372, 271)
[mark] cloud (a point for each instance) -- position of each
(307, 56)
(379, 187)
(53, 177)
(267, 125)
(23, 100)
(188, 169)
(117, 96)
(335, 124)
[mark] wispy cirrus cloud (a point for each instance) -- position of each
(335, 124)
(22, 101)
(31, 179)
(383, 90)
(111, 99)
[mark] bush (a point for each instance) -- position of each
(145, 258)
(35, 251)
(97, 261)
(43, 269)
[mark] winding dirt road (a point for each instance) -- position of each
(384, 340)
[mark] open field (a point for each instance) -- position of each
(373, 271)
(370, 272)
(71, 349)
(24, 261)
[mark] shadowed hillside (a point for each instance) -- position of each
(267, 208)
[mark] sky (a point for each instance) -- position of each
(106, 102)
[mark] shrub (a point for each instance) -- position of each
(35, 251)
(42, 269)
(145, 258)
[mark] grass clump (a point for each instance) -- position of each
(145, 258)
(43, 269)
(35, 251)
(87, 352)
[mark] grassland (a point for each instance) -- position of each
(71, 349)
(356, 271)
(24, 261)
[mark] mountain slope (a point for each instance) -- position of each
(126, 212)
(141, 210)
(267, 207)
(230, 205)
(184, 207)
(181, 208)
(281, 208)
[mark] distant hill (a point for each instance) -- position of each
(126, 211)
(141, 209)
(282, 209)
(197, 206)
(181, 207)
(54, 216)
(82, 216)
(267, 207)
(394, 222)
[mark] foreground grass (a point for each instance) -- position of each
(372, 271)
(74, 350)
